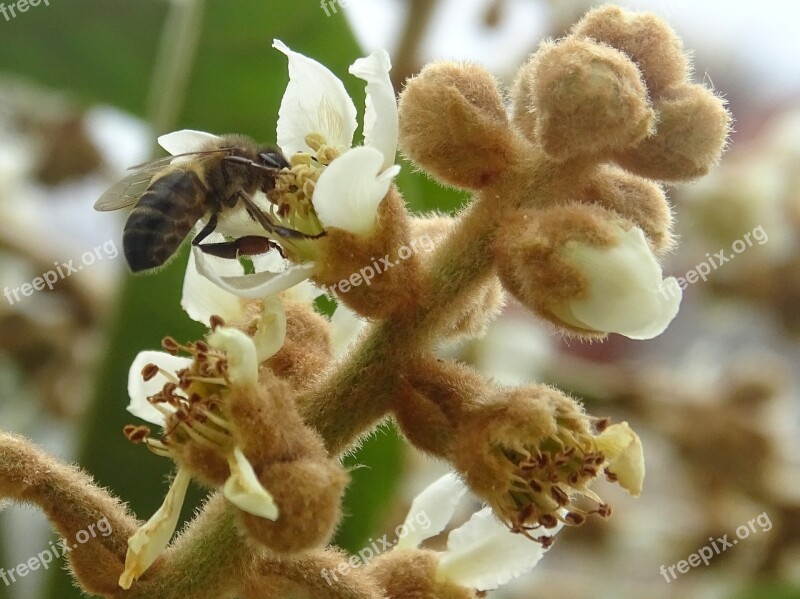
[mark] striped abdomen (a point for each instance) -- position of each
(162, 218)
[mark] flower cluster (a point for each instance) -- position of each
(566, 216)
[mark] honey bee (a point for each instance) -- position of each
(171, 196)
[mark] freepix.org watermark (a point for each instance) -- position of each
(376, 547)
(46, 557)
(62, 271)
(378, 266)
(705, 554)
(331, 6)
(11, 10)
(714, 261)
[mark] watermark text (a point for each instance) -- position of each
(62, 271)
(706, 553)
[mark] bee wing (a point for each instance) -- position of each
(126, 192)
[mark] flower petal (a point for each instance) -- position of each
(245, 491)
(623, 450)
(150, 540)
(271, 330)
(380, 116)
(483, 554)
(202, 299)
(435, 506)
(139, 389)
(349, 191)
(254, 286)
(315, 101)
(241, 354)
(626, 292)
(346, 326)
(186, 140)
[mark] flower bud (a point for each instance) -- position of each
(692, 132)
(645, 38)
(578, 267)
(454, 125)
(588, 99)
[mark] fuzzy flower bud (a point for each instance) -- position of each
(645, 38)
(454, 125)
(587, 99)
(579, 268)
(692, 131)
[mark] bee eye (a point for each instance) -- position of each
(274, 159)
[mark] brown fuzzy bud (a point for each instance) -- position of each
(588, 99)
(412, 573)
(453, 124)
(431, 400)
(648, 40)
(692, 132)
(639, 200)
(376, 275)
(307, 350)
(531, 266)
(308, 494)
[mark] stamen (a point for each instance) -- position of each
(170, 346)
(169, 376)
(149, 372)
(198, 437)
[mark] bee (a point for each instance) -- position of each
(171, 196)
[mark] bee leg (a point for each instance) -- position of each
(261, 218)
(206, 231)
(249, 245)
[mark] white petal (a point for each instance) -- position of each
(271, 261)
(255, 286)
(245, 491)
(431, 510)
(346, 326)
(202, 299)
(241, 353)
(304, 292)
(626, 292)
(152, 538)
(483, 554)
(186, 140)
(349, 191)
(271, 330)
(315, 101)
(139, 390)
(623, 450)
(380, 117)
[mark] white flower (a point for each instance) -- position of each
(482, 554)
(626, 293)
(350, 187)
(315, 103)
(243, 356)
